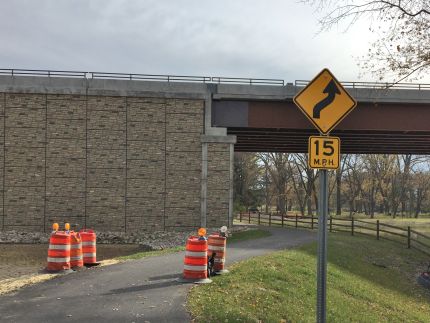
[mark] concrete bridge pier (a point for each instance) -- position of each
(217, 173)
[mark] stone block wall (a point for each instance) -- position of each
(218, 184)
(109, 163)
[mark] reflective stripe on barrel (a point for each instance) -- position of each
(217, 244)
(196, 259)
(58, 251)
(76, 258)
(88, 246)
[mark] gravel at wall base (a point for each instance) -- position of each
(147, 240)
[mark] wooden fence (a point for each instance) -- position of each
(377, 229)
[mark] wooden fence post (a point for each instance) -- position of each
(240, 216)
(259, 215)
(270, 220)
(377, 229)
(352, 226)
(282, 221)
(331, 224)
(409, 237)
(296, 221)
(312, 223)
(249, 216)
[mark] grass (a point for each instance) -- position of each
(421, 224)
(237, 236)
(368, 281)
(247, 235)
(144, 254)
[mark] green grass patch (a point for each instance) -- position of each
(368, 281)
(144, 254)
(248, 235)
(237, 236)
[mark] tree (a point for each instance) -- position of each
(276, 166)
(354, 181)
(339, 173)
(247, 187)
(422, 184)
(303, 179)
(403, 28)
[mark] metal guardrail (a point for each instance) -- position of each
(48, 73)
(250, 81)
(375, 85)
(141, 77)
(201, 79)
(149, 77)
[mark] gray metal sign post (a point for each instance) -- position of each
(324, 153)
(322, 248)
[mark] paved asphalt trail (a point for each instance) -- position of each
(134, 291)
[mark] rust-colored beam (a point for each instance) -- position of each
(397, 128)
(366, 116)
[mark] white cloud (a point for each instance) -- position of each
(242, 38)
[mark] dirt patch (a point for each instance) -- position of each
(22, 264)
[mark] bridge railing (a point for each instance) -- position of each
(375, 85)
(250, 81)
(150, 77)
(201, 79)
(47, 73)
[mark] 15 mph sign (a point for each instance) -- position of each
(324, 152)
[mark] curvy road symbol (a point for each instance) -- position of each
(331, 89)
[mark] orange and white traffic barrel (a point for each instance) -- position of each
(76, 257)
(196, 261)
(58, 252)
(217, 245)
(88, 237)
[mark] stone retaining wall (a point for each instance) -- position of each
(112, 163)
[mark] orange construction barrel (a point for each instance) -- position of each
(88, 237)
(76, 257)
(58, 252)
(196, 261)
(217, 245)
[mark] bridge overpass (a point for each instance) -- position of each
(132, 152)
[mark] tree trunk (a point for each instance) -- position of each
(418, 206)
(309, 205)
(282, 205)
(338, 187)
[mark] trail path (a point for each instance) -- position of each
(133, 291)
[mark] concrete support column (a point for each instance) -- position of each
(230, 193)
(204, 198)
(217, 180)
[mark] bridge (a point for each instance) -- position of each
(132, 152)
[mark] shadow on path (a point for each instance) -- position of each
(144, 287)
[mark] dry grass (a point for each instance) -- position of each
(23, 264)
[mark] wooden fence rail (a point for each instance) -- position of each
(379, 230)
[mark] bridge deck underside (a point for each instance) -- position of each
(371, 128)
(352, 142)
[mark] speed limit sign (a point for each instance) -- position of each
(324, 152)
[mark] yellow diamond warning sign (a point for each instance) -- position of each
(324, 101)
(324, 152)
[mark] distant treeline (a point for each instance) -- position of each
(389, 184)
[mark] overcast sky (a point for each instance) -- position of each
(236, 38)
